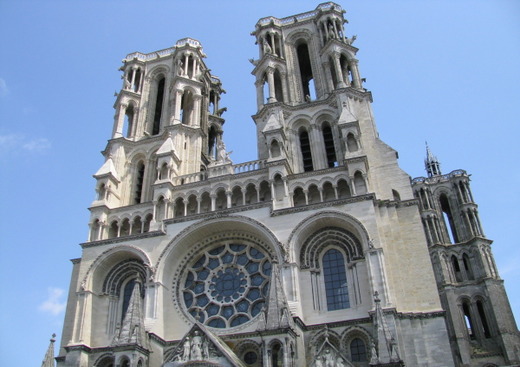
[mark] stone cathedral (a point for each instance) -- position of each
(322, 252)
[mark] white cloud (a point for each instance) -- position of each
(37, 145)
(54, 303)
(4, 91)
(12, 143)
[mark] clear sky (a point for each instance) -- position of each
(442, 71)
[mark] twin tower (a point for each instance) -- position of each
(322, 252)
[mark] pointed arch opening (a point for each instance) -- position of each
(138, 186)
(159, 97)
(352, 144)
(306, 76)
(128, 124)
(335, 278)
(330, 150)
(359, 183)
(305, 149)
(449, 222)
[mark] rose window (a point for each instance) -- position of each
(227, 286)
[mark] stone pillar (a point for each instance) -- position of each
(356, 79)
(270, 82)
(337, 68)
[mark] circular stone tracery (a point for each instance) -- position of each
(227, 286)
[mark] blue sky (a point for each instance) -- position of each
(442, 71)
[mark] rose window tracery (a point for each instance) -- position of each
(227, 285)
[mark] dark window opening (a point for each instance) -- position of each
(278, 90)
(158, 107)
(483, 319)
(456, 269)
(212, 142)
(358, 351)
(328, 139)
(306, 76)
(448, 219)
(468, 321)
(139, 183)
(305, 147)
(467, 267)
(276, 356)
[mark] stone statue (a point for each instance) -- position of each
(332, 33)
(351, 40)
(187, 349)
(196, 347)
(373, 353)
(223, 155)
(180, 66)
(267, 47)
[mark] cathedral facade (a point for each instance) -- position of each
(322, 252)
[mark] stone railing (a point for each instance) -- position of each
(299, 17)
(152, 55)
(248, 166)
(434, 179)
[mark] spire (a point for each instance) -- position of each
(132, 329)
(433, 167)
(48, 361)
(277, 315)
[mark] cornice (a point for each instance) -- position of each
(354, 199)
(122, 239)
(217, 214)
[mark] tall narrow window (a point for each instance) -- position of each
(276, 356)
(328, 139)
(358, 350)
(127, 293)
(335, 277)
(305, 147)
(187, 105)
(139, 183)
(158, 107)
(456, 268)
(448, 219)
(212, 142)
(306, 77)
(483, 319)
(128, 123)
(467, 319)
(278, 89)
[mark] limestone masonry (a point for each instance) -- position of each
(322, 252)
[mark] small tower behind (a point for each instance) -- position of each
(480, 321)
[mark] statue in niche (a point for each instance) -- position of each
(267, 47)
(187, 349)
(332, 33)
(180, 67)
(196, 346)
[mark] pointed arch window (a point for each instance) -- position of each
(358, 350)
(328, 139)
(335, 277)
(448, 219)
(468, 320)
(306, 76)
(158, 106)
(128, 124)
(277, 355)
(139, 179)
(483, 319)
(305, 147)
(359, 183)
(352, 144)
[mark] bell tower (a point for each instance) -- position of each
(480, 320)
(167, 124)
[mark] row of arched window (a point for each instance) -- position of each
(119, 228)
(312, 193)
(475, 318)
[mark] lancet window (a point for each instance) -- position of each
(159, 98)
(330, 150)
(306, 75)
(449, 222)
(128, 124)
(335, 278)
(138, 185)
(305, 148)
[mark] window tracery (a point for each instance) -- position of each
(227, 286)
